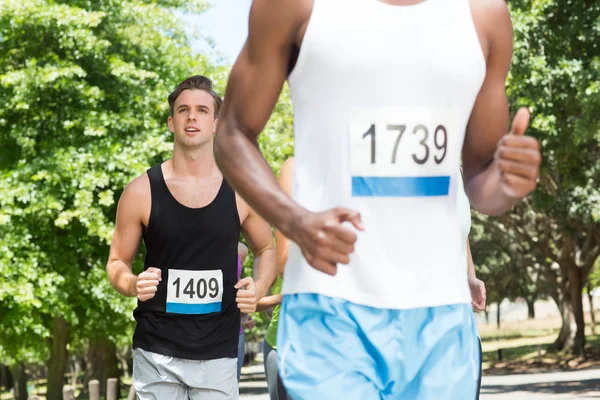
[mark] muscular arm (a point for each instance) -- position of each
(252, 91)
(127, 236)
(489, 118)
(258, 234)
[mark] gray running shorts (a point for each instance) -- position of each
(158, 377)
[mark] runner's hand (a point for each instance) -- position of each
(247, 296)
(323, 239)
(478, 294)
(518, 158)
(147, 283)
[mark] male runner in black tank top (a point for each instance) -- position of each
(189, 297)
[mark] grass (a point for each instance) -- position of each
(519, 329)
(535, 357)
(524, 344)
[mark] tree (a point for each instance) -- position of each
(556, 74)
(500, 264)
(84, 86)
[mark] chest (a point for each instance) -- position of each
(195, 193)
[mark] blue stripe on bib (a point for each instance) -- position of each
(373, 186)
(183, 308)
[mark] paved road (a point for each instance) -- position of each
(543, 386)
(253, 385)
(551, 385)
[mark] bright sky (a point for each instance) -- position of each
(226, 24)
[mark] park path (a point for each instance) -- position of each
(567, 385)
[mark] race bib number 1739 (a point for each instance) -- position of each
(403, 152)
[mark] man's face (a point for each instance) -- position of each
(193, 122)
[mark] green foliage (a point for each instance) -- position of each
(277, 139)
(594, 278)
(83, 86)
(556, 74)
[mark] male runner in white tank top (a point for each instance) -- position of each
(387, 95)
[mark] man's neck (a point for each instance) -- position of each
(194, 163)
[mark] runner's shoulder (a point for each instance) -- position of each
(490, 13)
(137, 190)
(290, 13)
(492, 20)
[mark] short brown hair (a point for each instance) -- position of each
(198, 82)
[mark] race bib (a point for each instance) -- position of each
(194, 292)
(403, 152)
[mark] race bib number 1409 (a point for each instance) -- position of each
(194, 292)
(403, 152)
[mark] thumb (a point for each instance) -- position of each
(520, 122)
(157, 271)
(351, 216)
(243, 282)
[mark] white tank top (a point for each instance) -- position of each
(382, 95)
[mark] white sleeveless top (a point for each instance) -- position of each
(382, 95)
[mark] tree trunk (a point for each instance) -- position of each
(20, 382)
(58, 361)
(592, 312)
(568, 328)
(576, 287)
(94, 364)
(6, 378)
(530, 308)
(498, 315)
(111, 362)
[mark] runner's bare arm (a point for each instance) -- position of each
(268, 302)
(470, 264)
(127, 235)
(252, 91)
(488, 124)
(282, 244)
(242, 252)
(260, 238)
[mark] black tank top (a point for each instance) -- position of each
(193, 314)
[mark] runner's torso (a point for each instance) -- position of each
(193, 314)
(382, 95)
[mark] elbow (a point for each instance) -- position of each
(487, 199)
(494, 206)
(110, 272)
(489, 209)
